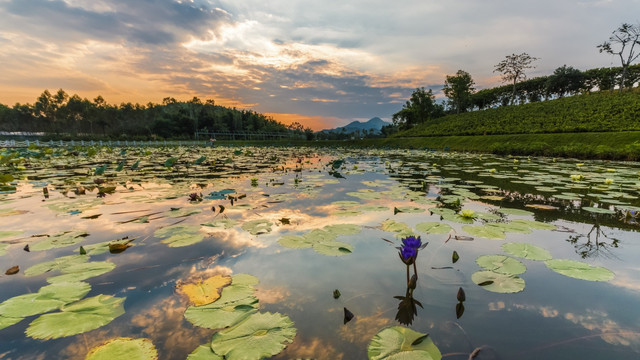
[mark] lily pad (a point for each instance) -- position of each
(77, 318)
(59, 240)
(511, 227)
(124, 348)
(28, 304)
(221, 223)
(485, 232)
(56, 264)
(205, 291)
(10, 233)
(180, 235)
(501, 264)
(372, 208)
(3, 249)
(204, 352)
(332, 248)
(537, 225)
(527, 251)
(259, 336)
(343, 229)
(8, 321)
(398, 342)
(401, 229)
(295, 242)
(83, 271)
(597, 210)
(433, 228)
(579, 270)
(183, 212)
(408, 209)
(257, 227)
(496, 282)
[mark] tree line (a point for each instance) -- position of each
(60, 115)
(461, 96)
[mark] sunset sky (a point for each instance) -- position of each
(322, 63)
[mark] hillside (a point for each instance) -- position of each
(372, 124)
(595, 112)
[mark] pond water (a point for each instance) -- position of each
(564, 282)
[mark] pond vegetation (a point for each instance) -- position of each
(254, 252)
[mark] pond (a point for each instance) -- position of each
(252, 252)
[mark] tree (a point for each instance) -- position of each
(513, 69)
(625, 38)
(420, 108)
(458, 88)
(565, 80)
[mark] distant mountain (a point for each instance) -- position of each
(373, 124)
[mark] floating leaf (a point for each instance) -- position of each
(257, 227)
(401, 229)
(535, 224)
(56, 264)
(496, 282)
(83, 271)
(372, 208)
(527, 251)
(221, 223)
(459, 310)
(180, 235)
(433, 228)
(59, 240)
(455, 257)
(205, 291)
(501, 264)
(8, 321)
(77, 318)
(12, 270)
(579, 270)
(124, 348)
(407, 209)
(597, 210)
(485, 232)
(511, 227)
(343, 229)
(66, 292)
(204, 352)
(27, 305)
(170, 162)
(183, 212)
(398, 342)
(6, 234)
(295, 242)
(259, 336)
(333, 248)
(520, 212)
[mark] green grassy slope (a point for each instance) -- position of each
(597, 112)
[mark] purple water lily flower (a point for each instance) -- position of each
(408, 253)
(412, 242)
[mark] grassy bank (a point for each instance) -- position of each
(609, 145)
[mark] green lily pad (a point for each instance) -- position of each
(332, 248)
(398, 342)
(59, 240)
(183, 212)
(124, 348)
(408, 209)
(257, 227)
(442, 211)
(3, 249)
(511, 227)
(77, 318)
(221, 223)
(295, 242)
(56, 264)
(457, 218)
(537, 225)
(27, 305)
(204, 352)
(222, 313)
(10, 233)
(83, 271)
(596, 210)
(180, 235)
(579, 270)
(433, 228)
(372, 208)
(527, 251)
(8, 321)
(66, 292)
(485, 232)
(343, 229)
(345, 203)
(365, 195)
(501, 264)
(346, 213)
(259, 336)
(496, 282)
(401, 229)
(103, 247)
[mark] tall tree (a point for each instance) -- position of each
(622, 43)
(458, 88)
(565, 80)
(513, 69)
(420, 108)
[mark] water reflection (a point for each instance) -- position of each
(593, 244)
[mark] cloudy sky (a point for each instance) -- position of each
(323, 63)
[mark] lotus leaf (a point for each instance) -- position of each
(527, 251)
(537, 225)
(259, 336)
(56, 264)
(496, 282)
(398, 342)
(204, 352)
(83, 271)
(579, 270)
(343, 229)
(180, 235)
(433, 228)
(8, 321)
(59, 240)
(77, 318)
(205, 291)
(501, 264)
(295, 242)
(257, 227)
(485, 232)
(596, 210)
(124, 348)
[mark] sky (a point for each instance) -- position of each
(321, 63)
